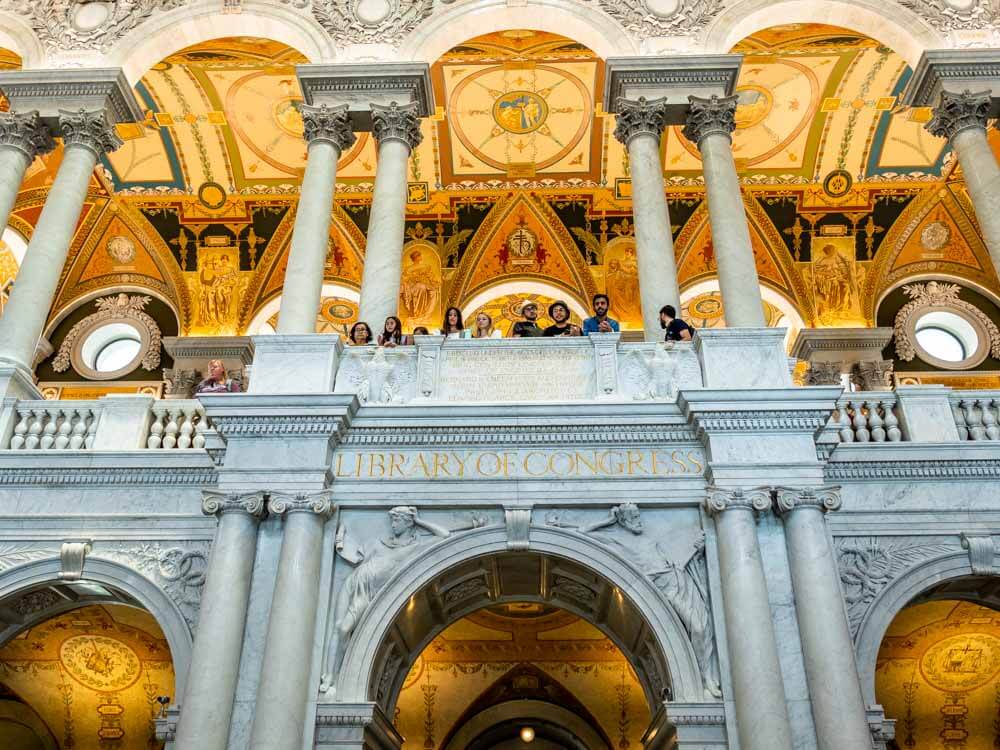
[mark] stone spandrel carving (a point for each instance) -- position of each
(376, 561)
(683, 584)
(378, 375)
(869, 564)
(375, 22)
(954, 15)
(646, 18)
(12, 555)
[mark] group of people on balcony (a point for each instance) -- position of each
(452, 327)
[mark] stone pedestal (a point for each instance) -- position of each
(925, 414)
(305, 363)
(125, 421)
(743, 357)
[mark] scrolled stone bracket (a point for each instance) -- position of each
(982, 552)
(92, 130)
(397, 122)
(216, 503)
(712, 116)
(823, 499)
(25, 132)
(958, 112)
(518, 522)
(320, 503)
(720, 500)
(640, 117)
(72, 557)
(325, 123)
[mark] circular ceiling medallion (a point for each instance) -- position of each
(706, 306)
(100, 663)
(753, 105)
(287, 116)
(212, 195)
(372, 12)
(338, 310)
(935, 236)
(838, 183)
(962, 662)
(121, 249)
(520, 111)
(89, 16)
(662, 8)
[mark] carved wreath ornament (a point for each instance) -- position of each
(120, 307)
(936, 296)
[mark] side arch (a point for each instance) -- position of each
(18, 36)
(364, 657)
(152, 598)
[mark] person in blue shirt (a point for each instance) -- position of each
(600, 323)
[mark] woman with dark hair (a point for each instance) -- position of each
(452, 327)
(392, 333)
(360, 335)
(421, 331)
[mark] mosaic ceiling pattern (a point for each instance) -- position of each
(519, 187)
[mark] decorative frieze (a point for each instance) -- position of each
(519, 436)
(110, 476)
(25, 132)
(713, 116)
(92, 130)
(958, 112)
(324, 123)
(936, 469)
(640, 117)
(397, 122)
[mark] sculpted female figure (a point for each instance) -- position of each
(376, 562)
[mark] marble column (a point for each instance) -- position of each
(86, 136)
(284, 691)
(710, 123)
(397, 130)
(207, 704)
(639, 127)
(22, 138)
(961, 118)
(758, 691)
(328, 133)
(838, 706)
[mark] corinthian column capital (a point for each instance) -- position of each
(25, 132)
(319, 503)
(93, 130)
(822, 499)
(713, 116)
(216, 503)
(325, 123)
(958, 112)
(640, 117)
(397, 123)
(720, 500)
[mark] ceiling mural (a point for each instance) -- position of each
(937, 675)
(92, 675)
(520, 652)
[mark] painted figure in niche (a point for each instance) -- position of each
(419, 288)
(622, 282)
(685, 585)
(375, 562)
(835, 280)
(217, 282)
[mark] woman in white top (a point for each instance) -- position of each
(484, 328)
(452, 327)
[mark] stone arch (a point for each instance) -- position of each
(18, 36)
(151, 597)
(107, 291)
(891, 600)
(166, 33)
(664, 646)
(900, 29)
(23, 715)
(547, 288)
(451, 25)
(524, 709)
(964, 281)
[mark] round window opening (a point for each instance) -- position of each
(113, 348)
(945, 337)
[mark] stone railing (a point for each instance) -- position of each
(977, 414)
(177, 424)
(866, 417)
(597, 367)
(55, 425)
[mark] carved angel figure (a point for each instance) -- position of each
(376, 561)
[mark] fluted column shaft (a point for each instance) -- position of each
(397, 131)
(962, 119)
(838, 705)
(761, 712)
(86, 136)
(328, 132)
(207, 704)
(710, 125)
(639, 127)
(284, 691)
(22, 138)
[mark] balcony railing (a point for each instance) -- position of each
(977, 414)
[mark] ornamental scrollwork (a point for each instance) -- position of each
(118, 307)
(947, 16)
(383, 21)
(644, 19)
(936, 295)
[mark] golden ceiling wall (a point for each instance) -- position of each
(93, 676)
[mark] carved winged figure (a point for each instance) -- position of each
(650, 374)
(382, 379)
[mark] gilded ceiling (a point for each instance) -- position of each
(519, 187)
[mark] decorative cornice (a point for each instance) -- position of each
(937, 469)
(292, 425)
(51, 91)
(320, 503)
(25, 132)
(958, 112)
(215, 503)
(640, 117)
(720, 500)
(752, 420)
(92, 130)
(520, 436)
(397, 123)
(713, 116)
(109, 476)
(330, 124)
(823, 499)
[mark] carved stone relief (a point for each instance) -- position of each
(18, 554)
(377, 375)
(371, 21)
(954, 15)
(657, 372)
(645, 18)
(934, 296)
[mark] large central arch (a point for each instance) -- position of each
(401, 620)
